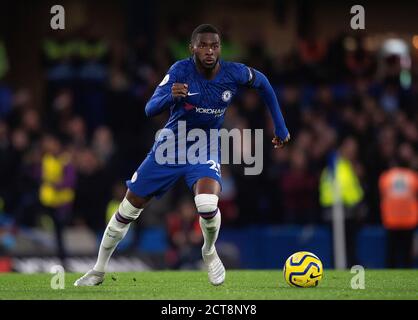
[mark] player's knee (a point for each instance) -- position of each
(136, 201)
(128, 211)
(206, 204)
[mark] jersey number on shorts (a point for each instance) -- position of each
(215, 166)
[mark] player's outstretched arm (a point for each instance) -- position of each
(282, 135)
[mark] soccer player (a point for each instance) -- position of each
(197, 92)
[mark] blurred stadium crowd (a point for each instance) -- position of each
(75, 153)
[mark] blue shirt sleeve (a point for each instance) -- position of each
(162, 98)
(256, 79)
(244, 74)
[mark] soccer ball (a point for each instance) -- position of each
(303, 269)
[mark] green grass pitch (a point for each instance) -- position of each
(194, 285)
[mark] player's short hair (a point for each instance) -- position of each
(204, 28)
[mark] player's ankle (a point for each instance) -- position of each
(208, 251)
(98, 269)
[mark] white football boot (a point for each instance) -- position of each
(215, 267)
(91, 278)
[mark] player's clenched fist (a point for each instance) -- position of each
(278, 143)
(179, 90)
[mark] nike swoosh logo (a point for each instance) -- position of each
(313, 277)
(192, 94)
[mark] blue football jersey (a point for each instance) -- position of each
(204, 108)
